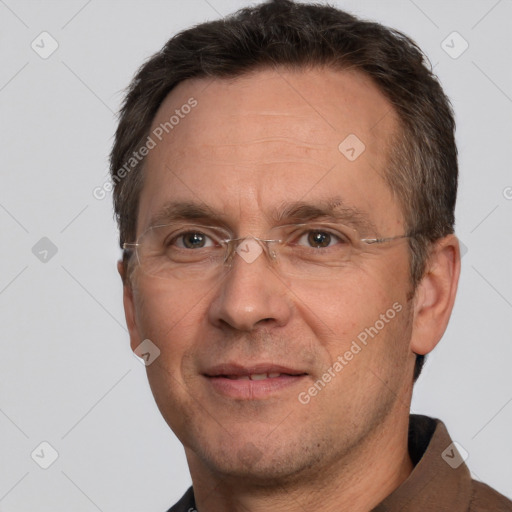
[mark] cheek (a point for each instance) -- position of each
(354, 298)
(362, 317)
(169, 318)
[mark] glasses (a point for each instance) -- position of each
(195, 252)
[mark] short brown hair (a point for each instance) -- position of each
(423, 171)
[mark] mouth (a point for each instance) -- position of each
(254, 382)
(254, 376)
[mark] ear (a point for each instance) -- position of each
(435, 295)
(129, 306)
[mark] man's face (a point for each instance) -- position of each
(251, 149)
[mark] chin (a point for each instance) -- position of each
(261, 463)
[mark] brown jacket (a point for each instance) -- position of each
(439, 482)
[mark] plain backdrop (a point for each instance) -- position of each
(68, 377)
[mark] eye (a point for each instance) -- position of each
(320, 239)
(192, 240)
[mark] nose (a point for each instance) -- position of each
(252, 294)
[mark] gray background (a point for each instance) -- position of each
(68, 376)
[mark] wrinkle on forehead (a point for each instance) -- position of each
(286, 140)
(257, 151)
(303, 96)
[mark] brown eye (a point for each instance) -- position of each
(319, 239)
(193, 240)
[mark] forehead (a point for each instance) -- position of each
(269, 137)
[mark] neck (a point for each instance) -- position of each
(357, 483)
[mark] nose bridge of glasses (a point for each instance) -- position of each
(250, 248)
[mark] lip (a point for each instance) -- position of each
(239, 370)
(232, 380)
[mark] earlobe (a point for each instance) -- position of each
(129, 307)
(435, 295)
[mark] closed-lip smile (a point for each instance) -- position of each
(252, 381)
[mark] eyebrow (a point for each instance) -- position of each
(184, 211)
(331, 210)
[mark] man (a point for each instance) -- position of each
(285, 183)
